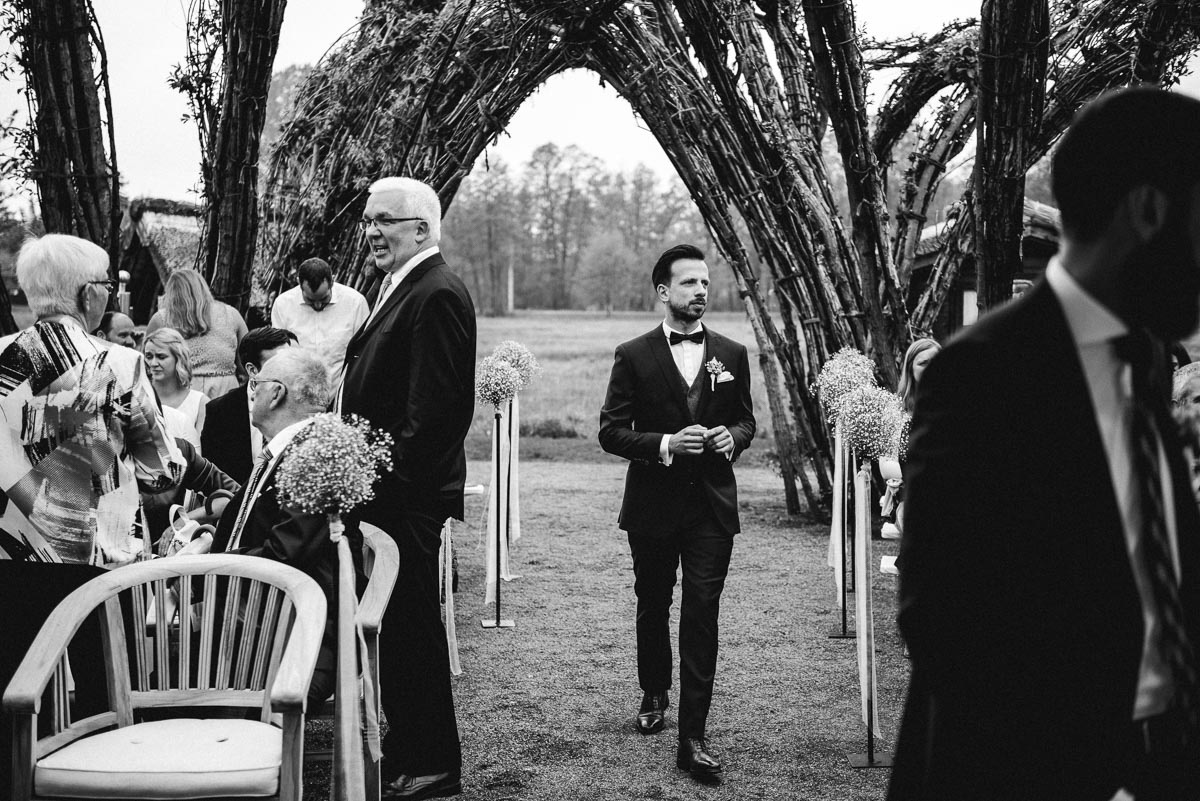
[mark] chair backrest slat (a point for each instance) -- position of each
(184, 587)
(162, 636)
(208, 621)
(138, 595)
(116, 660)
(283, 630)
(60, 697)
(233, 593)
(262, 655)
(249, 634)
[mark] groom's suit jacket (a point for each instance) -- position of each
(646, 399)
(1017, 598)
(410, 370)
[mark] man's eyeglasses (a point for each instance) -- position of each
(380, 223)
(107, 283)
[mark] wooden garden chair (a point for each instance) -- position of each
(259, 627)
(381, 563)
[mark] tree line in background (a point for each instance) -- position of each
(741, 95)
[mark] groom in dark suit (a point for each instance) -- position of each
(678, 408)
(410, 370)
(1050, 593)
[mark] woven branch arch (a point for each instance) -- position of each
(738, 94)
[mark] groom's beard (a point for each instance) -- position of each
(688, 312)
(1163, 279)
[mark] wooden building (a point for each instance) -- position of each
(157, 237)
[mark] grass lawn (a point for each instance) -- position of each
(546, 709)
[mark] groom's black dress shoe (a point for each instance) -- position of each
(695, 759)
(653, 712)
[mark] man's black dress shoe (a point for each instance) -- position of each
(695, 759)
(412, 788)
(653, 713)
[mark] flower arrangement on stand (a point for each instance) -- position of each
(331, 469)
(497, 382)
(843, 373)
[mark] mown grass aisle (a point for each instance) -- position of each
(546, 709)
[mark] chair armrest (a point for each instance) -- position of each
(382, 579)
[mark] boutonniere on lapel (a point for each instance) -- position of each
(717, 374)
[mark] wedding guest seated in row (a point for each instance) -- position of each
(227, 438)
(118, 328)
(291, 388)
(169, 363)
(84, 429)
(323, 314)
(212, 330)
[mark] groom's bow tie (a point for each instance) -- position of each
(696, 336)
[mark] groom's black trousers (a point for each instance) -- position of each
(703, 548)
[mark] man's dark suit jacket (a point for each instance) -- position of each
(647, 399)
(225, 440)
(1017, 598)
(294, 538)
(410, 370)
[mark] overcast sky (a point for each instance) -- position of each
(158, 154)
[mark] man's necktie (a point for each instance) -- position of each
(1176, 647)
(696, 336)
(256, 477)
(383, 288)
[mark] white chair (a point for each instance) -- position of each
(259, 627)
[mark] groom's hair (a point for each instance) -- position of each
(1119, 141)
(661, 274)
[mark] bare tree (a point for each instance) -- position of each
(238, 42)
(60, 50)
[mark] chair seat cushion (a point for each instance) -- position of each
(166, 759)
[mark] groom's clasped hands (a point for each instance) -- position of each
(696, 439)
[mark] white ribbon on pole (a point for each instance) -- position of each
(864, 626)
(501, 507)
(837, 531)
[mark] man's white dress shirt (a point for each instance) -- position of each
(688, 356)
(1109, 380)
(275, 447)
(327, 332)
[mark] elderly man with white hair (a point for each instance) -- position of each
(410, 370)
(82, 430)
(288, 391)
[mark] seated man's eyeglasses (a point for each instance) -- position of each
(108, 283)
(380, 223)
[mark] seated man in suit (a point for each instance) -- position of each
(291, 388)
(228, 440)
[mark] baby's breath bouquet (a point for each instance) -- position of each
(496, 381)
(332, 466)
(871, 418)
(520, 358)
(844, 372)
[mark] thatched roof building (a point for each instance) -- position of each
(1038, 243)
(158, 236)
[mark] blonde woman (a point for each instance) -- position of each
(169, 364)
(211, 328)
(916, 359)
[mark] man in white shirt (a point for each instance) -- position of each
(322, 313)
(1050, 593)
